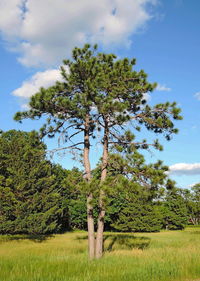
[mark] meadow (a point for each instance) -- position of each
(164, 256)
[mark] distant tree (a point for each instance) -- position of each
(132, 204)
(131, 210)
(174, 210)
(77, 200)
(195, 216)
(30, 197)
(192, 200)
(138, 215)
(106, 94)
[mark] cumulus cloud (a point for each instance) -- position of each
(163, 88)
(45, 31)
(197, 95)
(40, 79)
(181, 169)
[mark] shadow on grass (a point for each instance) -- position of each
(125, 241)
(195, 232)
(120, 241)
(38, 238)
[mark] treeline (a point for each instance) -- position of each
(39, 197)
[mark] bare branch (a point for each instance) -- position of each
(80, 130)
(67, 147)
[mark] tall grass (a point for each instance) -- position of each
(164, 256)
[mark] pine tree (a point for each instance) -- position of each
(101, 92)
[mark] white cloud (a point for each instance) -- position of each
(45, 31)
(40, 79)
(181, 169)
(197, 95)
(192, 184)
(146, 96)
(163, 88)
(25, 106)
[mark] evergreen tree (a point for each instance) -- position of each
(135, 208)
(30, 198)
(77, 200)
(104, 93)
(138, 215)
(196, 204)
(192, 200)
(174, 210)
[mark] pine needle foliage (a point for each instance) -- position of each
(31, 200)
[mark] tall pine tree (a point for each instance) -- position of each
(101, 93)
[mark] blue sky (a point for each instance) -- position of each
(164, 37)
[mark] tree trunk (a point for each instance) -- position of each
(100, 226)
(192, 220)
(90, 224)
(90, 217)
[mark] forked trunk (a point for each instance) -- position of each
(100, 225)
(90, 217)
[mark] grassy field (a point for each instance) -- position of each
(168, 255)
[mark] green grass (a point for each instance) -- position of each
(164, 256)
